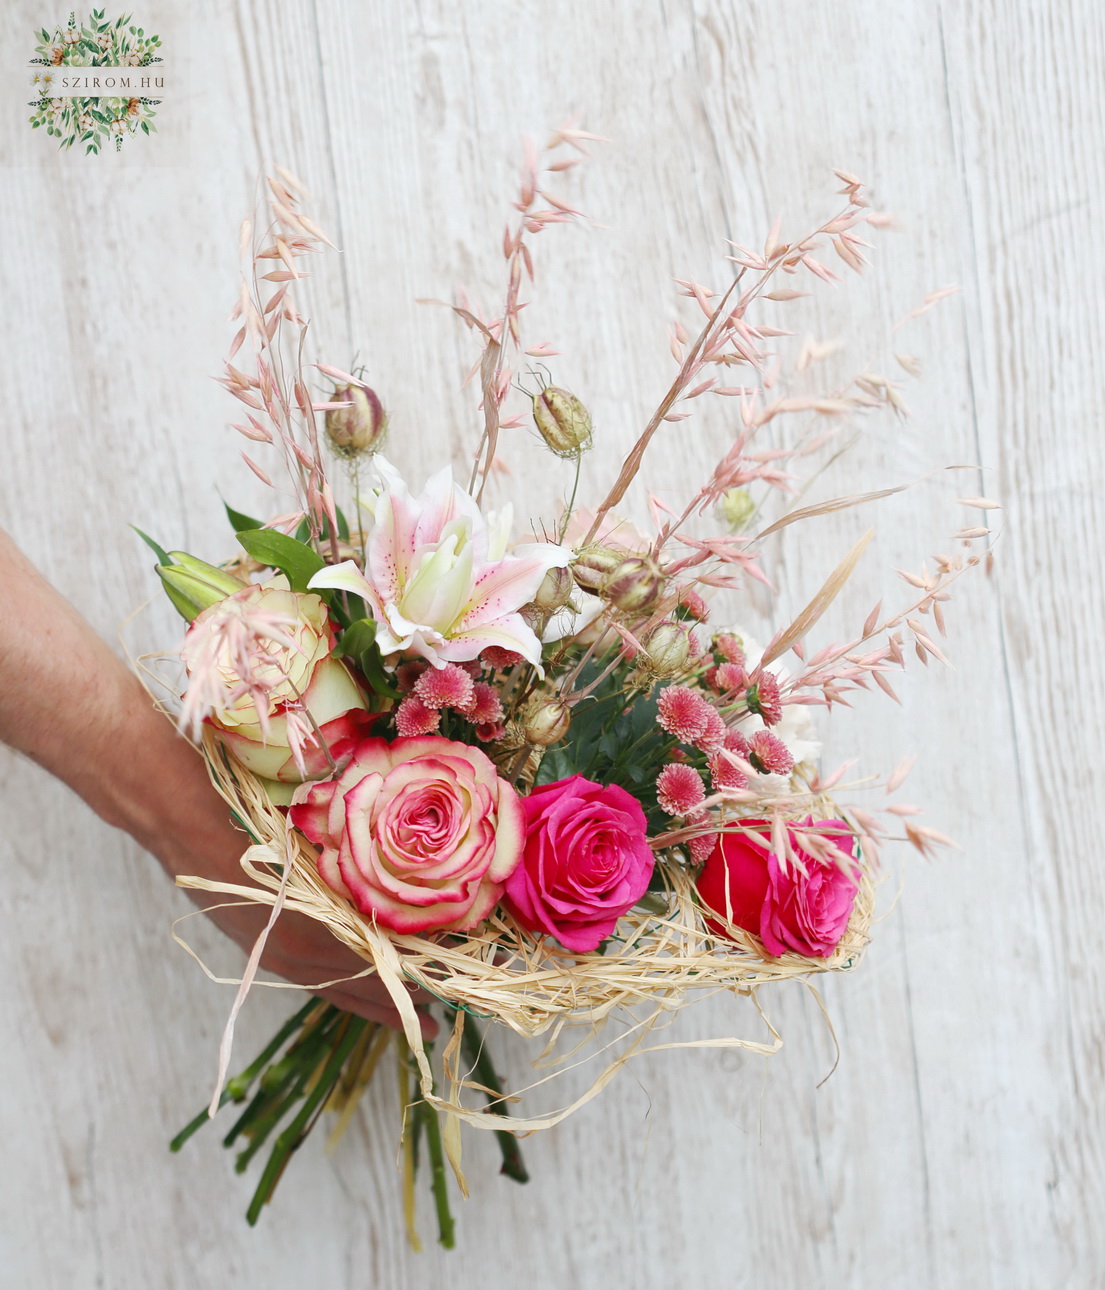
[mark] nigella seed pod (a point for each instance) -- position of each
(736, 508)
(546, 721)
(564, 423)
(634, 586)
(667, 649)
(594, 565)
(359, 428)
(555, 588)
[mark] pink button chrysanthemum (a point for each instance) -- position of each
(728, 676)
(500, 659)
(729, 647)
(723, 774)
(736, 742)
(763, 697)
(768, 754)
(679, 789)
(683, 713)
(712, 738)
(413, 717)
(693, 603)
(444, 687)
(407, 674)
(485, 707)
(701, 846)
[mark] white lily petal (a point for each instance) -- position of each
(342, 577)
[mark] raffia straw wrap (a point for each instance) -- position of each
(503, 973)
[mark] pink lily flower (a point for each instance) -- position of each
(438, 578)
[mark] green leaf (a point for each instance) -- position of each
(279, 551)
(358, 644)
(240, 522)
(159, 551)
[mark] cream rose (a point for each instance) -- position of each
(259, 697)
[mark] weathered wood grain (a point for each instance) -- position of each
(960, 1143)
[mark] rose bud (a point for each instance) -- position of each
(667, 648)
(553, 593)
(193, 585)
(634, 586)
(564, 423)
(592, 566)
(361, 427)
(546, 721)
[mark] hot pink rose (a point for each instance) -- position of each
(419, 834)
(586, 861)
(802, 913)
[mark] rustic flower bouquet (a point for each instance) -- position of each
(529, 775)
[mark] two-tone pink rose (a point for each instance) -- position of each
(420, 834)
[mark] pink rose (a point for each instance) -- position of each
(586, 861)
(790, 911)
(419, 834)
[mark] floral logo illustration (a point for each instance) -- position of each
(121, 105)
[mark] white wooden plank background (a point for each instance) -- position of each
(959, 1145)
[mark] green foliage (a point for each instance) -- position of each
(358, 644)
(240, 522)
(159, 551)
(279, 551)
(614, 739)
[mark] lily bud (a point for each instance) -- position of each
(359, 428)
(192, 585)
(667, 648)
(546, 721)
(634, 586)
(594, 565)
(564, 423)
(553, 593)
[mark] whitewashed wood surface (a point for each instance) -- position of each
(959, 1144)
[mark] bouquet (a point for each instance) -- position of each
(537, 775)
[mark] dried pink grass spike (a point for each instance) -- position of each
(485, 707)
(712, 739)
(412, 717)
(701, 846)
(683, 712)
(768, 754)
(445, 687)
(252, 644)
(763, 697)
(679, 789)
